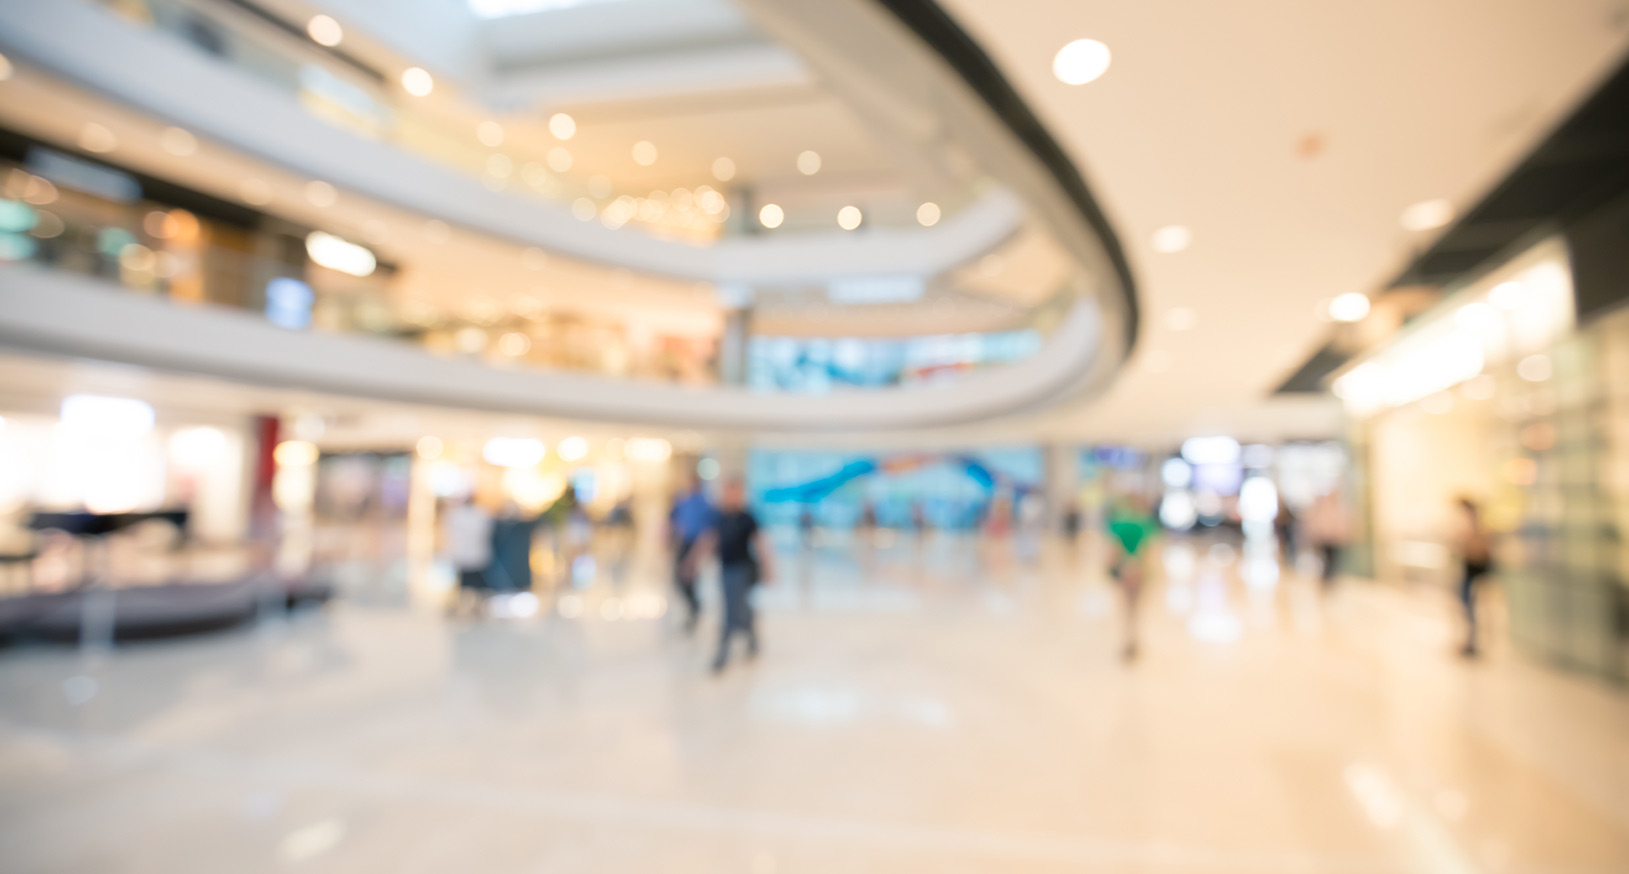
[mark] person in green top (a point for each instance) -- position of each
(1131, 528)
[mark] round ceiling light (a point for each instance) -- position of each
(927, 215)
(177, 141)
(1181, 318)
(723, 169)
(1080, 62)
(809, 163)
(324, 30)
(417, 82)
(320, 193)
(849, 218)
(1171, 238)
(771, 216)
(1349, 307)
(490, 133)
(1427, 214)
(644, 153)
(562, 126)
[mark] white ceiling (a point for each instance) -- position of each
(1198, 122)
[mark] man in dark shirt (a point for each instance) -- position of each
(745, 558)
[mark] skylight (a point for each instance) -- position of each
(506, 8)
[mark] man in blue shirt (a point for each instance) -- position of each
(693, 515)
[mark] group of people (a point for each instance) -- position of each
(1327, 528)
(493, 553)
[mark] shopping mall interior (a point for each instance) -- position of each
(774, 437)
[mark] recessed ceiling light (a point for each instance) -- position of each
(1428, 214)
(644, 153)
(808, 163)
(96, 138)
(1507, 295)
(1171, 238)
(562, 126)
(849, 218)
(324, 30)
(927, 215)
(490, 133)
(1349, 307)
(321, 193)
(559, 159)
(417, 82)
(1181, 318)
(1534, 368)
(771, 216)
(723, 169)
(1080, 62)
(177, 141)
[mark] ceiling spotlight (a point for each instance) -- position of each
(1534, 368)
(1080, 62)
(321, 193)
(1171, 238)
(324, 30)
(1181, 318)
(96, 138)
(1507, 295)
(417, 82)
(849, 218)
(809, 163)
(490, 133)
(335, 253)
(1349, 307)
(562, 126)
(723, 169)
(644, 153)
(771, 216)
(927, 215)
(177, 141)
(559, 159)
(1428, 214)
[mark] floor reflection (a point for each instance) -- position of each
(932, 703)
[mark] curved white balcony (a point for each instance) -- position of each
(146, 69)
(59, 313)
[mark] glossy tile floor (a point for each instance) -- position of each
(941, 707)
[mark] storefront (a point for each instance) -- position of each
(1499, 395)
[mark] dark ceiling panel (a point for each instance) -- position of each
(1580, 166)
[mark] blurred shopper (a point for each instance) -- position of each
(1475, 546)
(745, 558)
(466, 538)
(1329, 530)
(1284, 525)
(692, 517)
(1071, 522)
(619, 529)
(1131, 528)
(511, 567)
